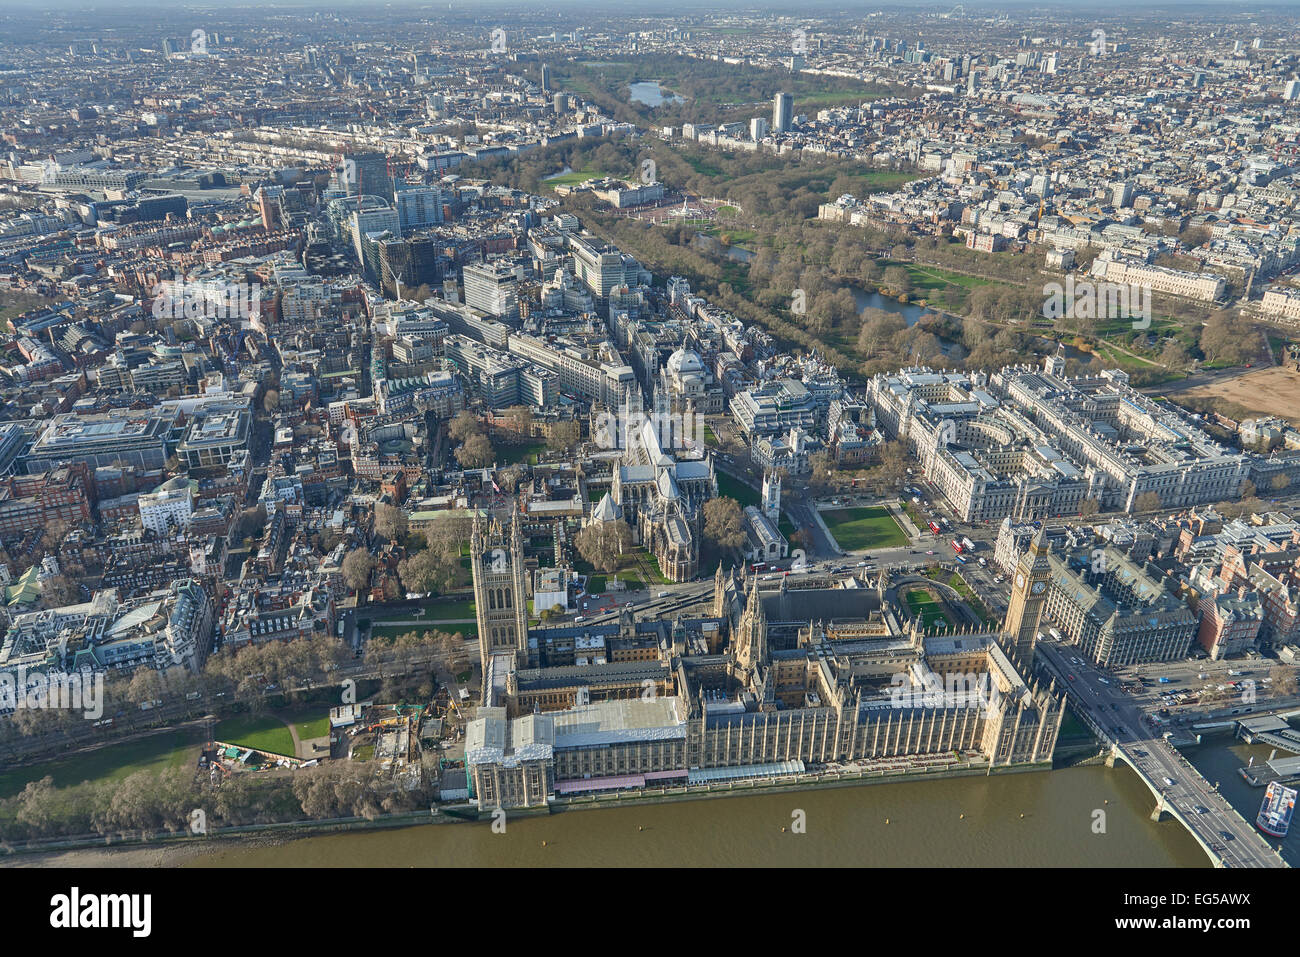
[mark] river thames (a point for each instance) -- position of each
(1075, 817)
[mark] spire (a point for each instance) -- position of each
(755, 604)
(1040, 543)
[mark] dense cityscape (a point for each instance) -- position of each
(469, 416)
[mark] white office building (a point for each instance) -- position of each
(492, 288)
(168, 507)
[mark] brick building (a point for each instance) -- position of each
(62, 495)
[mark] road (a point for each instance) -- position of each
(820, 544)
(688, 596)
(1125, 725)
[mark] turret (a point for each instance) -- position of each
(754, 604)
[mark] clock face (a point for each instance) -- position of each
(1038, 587)
(1020, 580)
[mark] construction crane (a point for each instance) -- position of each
(398, 169)
(397, 280)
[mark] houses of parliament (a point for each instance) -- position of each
(754, 683)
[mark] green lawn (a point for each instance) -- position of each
(1113, 357)
(448, 610)
(925, 607)
(932, 277)
(434, 610)
(650, 564)
(111, 763)
(702, 166)
(309, 722)
(733, 237)
(523, 452)
(264, 734)
(856, 529)
(848, 98)
(637, 569)
(940, 288)
(314, 728)
(439, 615)
(575, 177)
(729, 487)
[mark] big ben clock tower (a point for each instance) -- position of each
(1028, 595)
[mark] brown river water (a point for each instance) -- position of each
(1037, 819)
